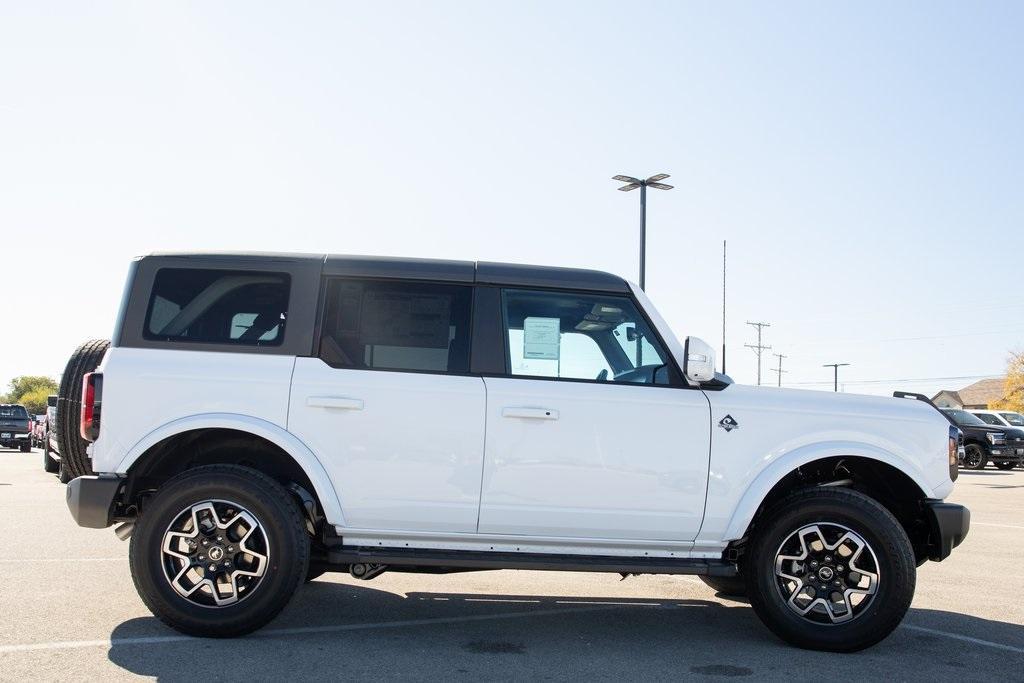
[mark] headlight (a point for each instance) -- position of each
(996, 438)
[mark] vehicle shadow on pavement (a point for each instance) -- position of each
(339, 630)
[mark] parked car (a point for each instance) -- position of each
(999, 418)
(38, 430)
(15, 427)
(260, 419)
(1003, 446)
(51, 450)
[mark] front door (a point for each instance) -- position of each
(589, 435)
(389, 408)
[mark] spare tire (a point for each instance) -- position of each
(70, 443)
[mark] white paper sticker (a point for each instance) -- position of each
(541, 337)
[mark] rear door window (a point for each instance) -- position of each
(413, 326)
(218, 307)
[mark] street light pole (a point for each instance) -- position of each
(632, 184)
(643, 236)
(835, 373)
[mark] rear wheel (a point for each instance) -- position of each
(219, 551)
(70, 443)
(26, 447)
(974, 457)
(1006, 465)
(831, 569)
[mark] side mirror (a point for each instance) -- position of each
(699, 361)
(631, 334)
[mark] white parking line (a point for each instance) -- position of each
(968, 639)
(30, 560)
(1001, 526)
(156, 640)
(269, 633)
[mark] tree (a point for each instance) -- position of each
(30, 391)
(35, 400)
(25, 384)
(1013, 390)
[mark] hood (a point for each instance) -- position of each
(827, 402)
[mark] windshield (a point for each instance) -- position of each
(13, 412)
(1016, 419)
(962, 417)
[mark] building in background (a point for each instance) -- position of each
(977, 396)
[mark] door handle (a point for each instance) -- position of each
(531, 413)
(338, 402)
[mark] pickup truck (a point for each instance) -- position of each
(15, 427)
(984, 443)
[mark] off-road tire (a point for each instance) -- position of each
(975, 457)
(49, 464)
(1005, 465)
(865, 517)
(25, 447)
(728, 586)
(282, 522)
(70, 443)
(63, 474)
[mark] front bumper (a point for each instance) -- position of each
(948, 525)
(91, 499)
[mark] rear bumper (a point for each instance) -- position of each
(948, 525)
(91, 499)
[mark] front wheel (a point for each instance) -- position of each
(219, 551)
(974, 457)
(831, 569)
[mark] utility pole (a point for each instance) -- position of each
(835, 377)
(759, 347)
(779, 370)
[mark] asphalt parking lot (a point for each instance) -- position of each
(69, 611)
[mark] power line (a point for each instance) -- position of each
(779, 370)
(759, 347)
(904, 379)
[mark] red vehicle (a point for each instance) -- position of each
(38, 434)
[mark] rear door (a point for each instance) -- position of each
(389, 407)
(589, 434)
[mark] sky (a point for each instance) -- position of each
(865, 161)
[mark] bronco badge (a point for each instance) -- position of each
(728, 424)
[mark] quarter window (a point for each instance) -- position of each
(560, 335)
(218, 307)
(410, 326)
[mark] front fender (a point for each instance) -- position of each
(284, 439)
(764, 482)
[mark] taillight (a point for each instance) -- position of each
(92, 399)
(956, 444)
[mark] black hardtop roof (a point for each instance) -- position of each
(508, 274)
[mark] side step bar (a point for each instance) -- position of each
(471, 559)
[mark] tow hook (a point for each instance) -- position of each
(124, 531)
(366, 571)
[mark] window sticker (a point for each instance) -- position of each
(541, 337)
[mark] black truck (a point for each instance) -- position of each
(1003, 446)
(15, 429)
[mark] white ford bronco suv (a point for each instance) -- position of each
(259, 419)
